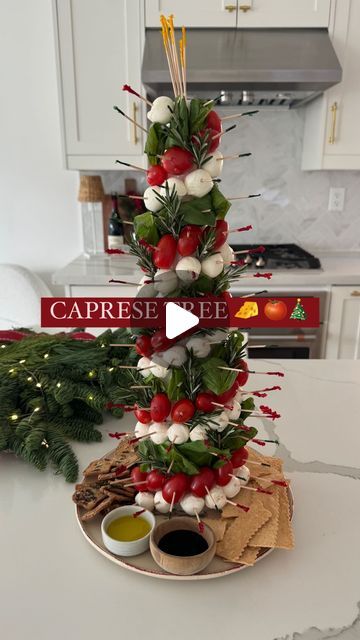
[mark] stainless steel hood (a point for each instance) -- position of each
(262, 67)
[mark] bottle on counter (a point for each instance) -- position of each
(116, 228)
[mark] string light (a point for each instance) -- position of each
(58, 384)
(102, 345)
(38, 385)
(3, 346)
(22, 361)
(91, 374)
(36, 409)
(29, 379)
(46, 355)
(111, 369)
(90, 397)
(14, 416)
(11, 370)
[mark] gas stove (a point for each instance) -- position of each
(278, 256)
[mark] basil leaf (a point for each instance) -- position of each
(174, 386)
(192, 215)
(197, 114)
(145, 227)
(247, 405)
(180, 462)
(215, 379)
(219, 203)
(235, 441)
(204, 284)
(196, 452)
(152, 143)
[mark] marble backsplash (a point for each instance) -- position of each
(294, 203)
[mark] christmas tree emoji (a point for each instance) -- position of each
(298, 312)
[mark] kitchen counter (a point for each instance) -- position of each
(338, 268)
(54, 585)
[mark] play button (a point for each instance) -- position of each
(178, 320)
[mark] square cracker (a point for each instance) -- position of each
(248, 556)
(98, 466)
(245, 498)
(285, 536)
(217, 525)
(267, 535)
(241, 530)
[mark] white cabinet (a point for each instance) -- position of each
(99, 45)
(332, 125)
(240, 13)
(343, 337)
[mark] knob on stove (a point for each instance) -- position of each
(260, 262)
(248, 259)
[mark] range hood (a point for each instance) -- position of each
(249, 67)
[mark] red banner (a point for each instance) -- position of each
(212, 312)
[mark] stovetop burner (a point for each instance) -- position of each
(279, 256)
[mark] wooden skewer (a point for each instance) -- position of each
(221, 133)
(259, 249)
(127, 222)
(251, 295)
(278, 483)
(240, 115)
(183, 58)
(200, 524)
(141, 386)
(237, 504)
(165, 36)
(237, 155)
(133, 366)
(170, 466)
(133, 484)
(269, 373)
(130, 119)
(175, 54)
(126, 87)
(252, 195)
(256, 489)
(211, 498)
(133, 166)
(124, 344)
(172, 502)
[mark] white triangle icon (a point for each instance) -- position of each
(178, 320)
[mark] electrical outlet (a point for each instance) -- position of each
(336, 199)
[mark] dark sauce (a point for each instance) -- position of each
(183, 542)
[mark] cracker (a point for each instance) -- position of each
(243, 497)
(86, 496)
(89, 515)
(217, 525)
(285, 536)
(248, 556)
(98, 466)
(241, 530)
(267, 535)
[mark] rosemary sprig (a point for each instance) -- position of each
(207, 242)
(228, 275)
(169, 219)
(143, 255)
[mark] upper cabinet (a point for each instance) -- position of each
(343, 335)
(240, 13)
(332, 124)
(99, 46)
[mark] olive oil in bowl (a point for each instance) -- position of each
(128, 528)
(126, 532)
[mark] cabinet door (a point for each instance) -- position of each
(100, 47)
(283, 13)
(343, 338)
(199, 13)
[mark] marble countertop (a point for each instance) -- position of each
(338, 268)
(54, 585)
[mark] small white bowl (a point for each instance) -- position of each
(123, 548)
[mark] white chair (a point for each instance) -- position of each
(20, 293)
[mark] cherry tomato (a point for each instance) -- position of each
(155, 480)
(176, 485)
(202, 482)
(221, 233)
(227, 395)
(276, 310)
(177, 161)
(159, 341)
(204, 401)
(143, 415)
(138, 476)
(243, 376)
(160, 407)
(239, 457)
(223, 474)
(143, 346)
(183, 410)
(189, 239)
(156, 175)
(213, 121)
(165, 252)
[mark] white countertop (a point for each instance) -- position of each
(338, 268)
(55, 586)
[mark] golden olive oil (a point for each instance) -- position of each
(128, 528)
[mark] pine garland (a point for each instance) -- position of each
(54, 389)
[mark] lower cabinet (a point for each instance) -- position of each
(343, 336)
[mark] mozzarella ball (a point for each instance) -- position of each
(179, 185)
(243, 474)
(178, 433)
(214, 165)
(200, 347)
(198, 433)
(160, 110)
(219, 422)
(192, 504)
(144, 363)
(175, 356)
(235, 410)
(141, 429)
(238, 396)
(145, 499)
(219, 335)
(216, 498)
(198, 183)
(213, 265)
(159, 432)
(146, 290)
(165, 281)
(226, 252)
(160, 504)
(150, 198)
(232, 487)
(158, 368)
(188, 269)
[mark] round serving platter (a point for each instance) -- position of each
(145, 564)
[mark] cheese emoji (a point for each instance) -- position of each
(248, 310)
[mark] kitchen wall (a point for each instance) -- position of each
(294, 203)
(39, 216)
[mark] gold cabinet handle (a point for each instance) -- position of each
(245, 7)
(135, 138)
(355, 293)
(333, 109)
(230, 7)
